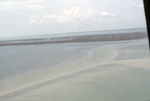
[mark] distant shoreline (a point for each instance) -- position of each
(81, 38)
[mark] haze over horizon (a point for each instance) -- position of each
(38, 17)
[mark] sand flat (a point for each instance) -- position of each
(97, 76)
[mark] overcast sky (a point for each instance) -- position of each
(34, 17)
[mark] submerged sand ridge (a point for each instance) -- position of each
(51, 81)
(103, 74)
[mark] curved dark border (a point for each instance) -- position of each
(147, 15)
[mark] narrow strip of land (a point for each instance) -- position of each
(82, 38)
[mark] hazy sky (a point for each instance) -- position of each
(34, 17)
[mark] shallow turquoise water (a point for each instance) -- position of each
(75, 72)
(15, 60)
